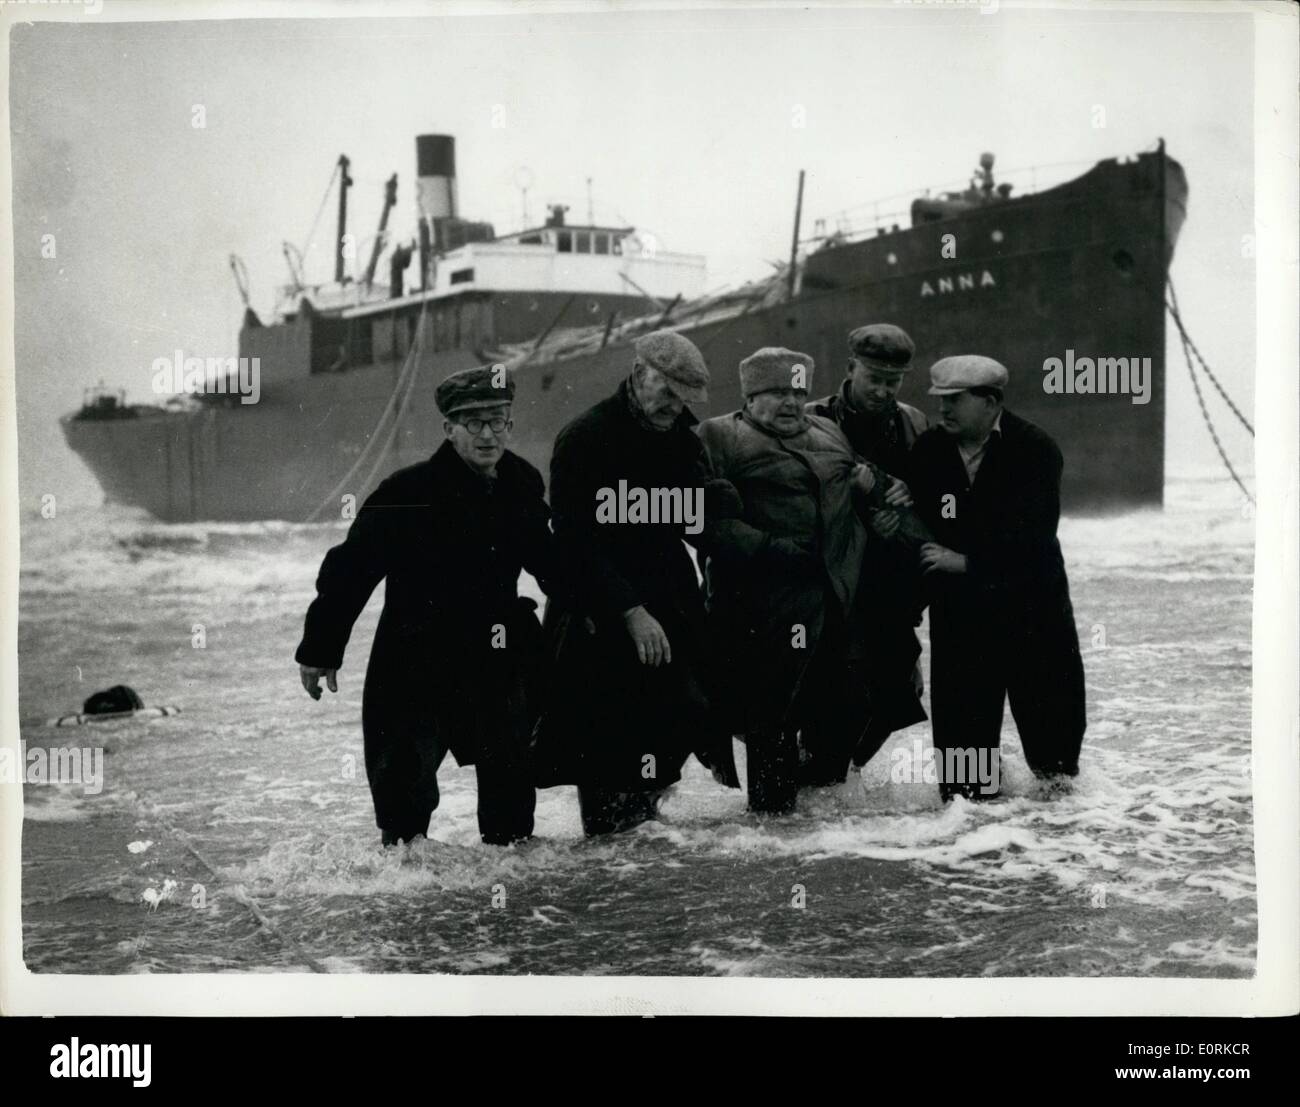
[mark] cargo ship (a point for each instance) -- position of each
(345, 371)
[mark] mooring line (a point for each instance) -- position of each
(1189, 344)
(241, 895)
(1209, 424)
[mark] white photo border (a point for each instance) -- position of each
(1276, 660)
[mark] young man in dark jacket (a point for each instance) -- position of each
(987, 484)
(882, 430)
(457, 652)
(880, 427)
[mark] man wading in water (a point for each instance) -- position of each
(627, 706)
(457, 652)
(882, 430)
(988, 485)
(785, 561)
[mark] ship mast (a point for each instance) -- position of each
(344, 182)
(794, 240)
(390, 198)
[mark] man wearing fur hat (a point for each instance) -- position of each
(457, 653)
(785, 548)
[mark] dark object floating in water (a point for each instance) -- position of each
(139, 713)
(121, 697)
(119, 702)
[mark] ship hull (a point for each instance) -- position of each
(1074, 272)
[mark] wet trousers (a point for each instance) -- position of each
(605, 811)
(506, 801)
(976, 668)
(772, 771)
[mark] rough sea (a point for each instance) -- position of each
(238, 836)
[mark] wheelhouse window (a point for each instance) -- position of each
(564, 243)
(462, 276)
(582, 242)
(601, 243)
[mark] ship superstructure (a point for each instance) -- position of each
(348, 369)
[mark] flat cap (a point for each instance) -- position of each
(883, 346)
(678, 359)
(775, 367)
(950, 375)
(482, 386)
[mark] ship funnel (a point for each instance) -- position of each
(435, 195)
(435, 161)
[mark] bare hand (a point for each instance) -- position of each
(886, 523)
(651, 641)
(897, 494)
(311, 679)
(939, 559)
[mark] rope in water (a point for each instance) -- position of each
(241, 895)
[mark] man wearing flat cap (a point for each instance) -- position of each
(627, 706)
(457, 653)
(785, 542)
(987, 484)
(882, 430)
(879, 426)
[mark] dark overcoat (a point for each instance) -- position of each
(780, 566)
(884, 440)
(891, 598)
(1007, 623)
(606, 713)
(457, 652)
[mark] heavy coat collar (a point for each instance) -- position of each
(450, 472)
(1010, 431)
(897, 419)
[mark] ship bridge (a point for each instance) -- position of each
(592, 262)
(477, 293)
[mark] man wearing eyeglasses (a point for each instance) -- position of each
(456, 657)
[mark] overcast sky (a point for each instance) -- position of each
(685, 121)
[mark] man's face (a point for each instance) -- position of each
(475, 438)
(967, 416)
(780, 410)
(872, 389)
(659, 403)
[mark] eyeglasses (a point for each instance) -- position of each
(498, 423)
